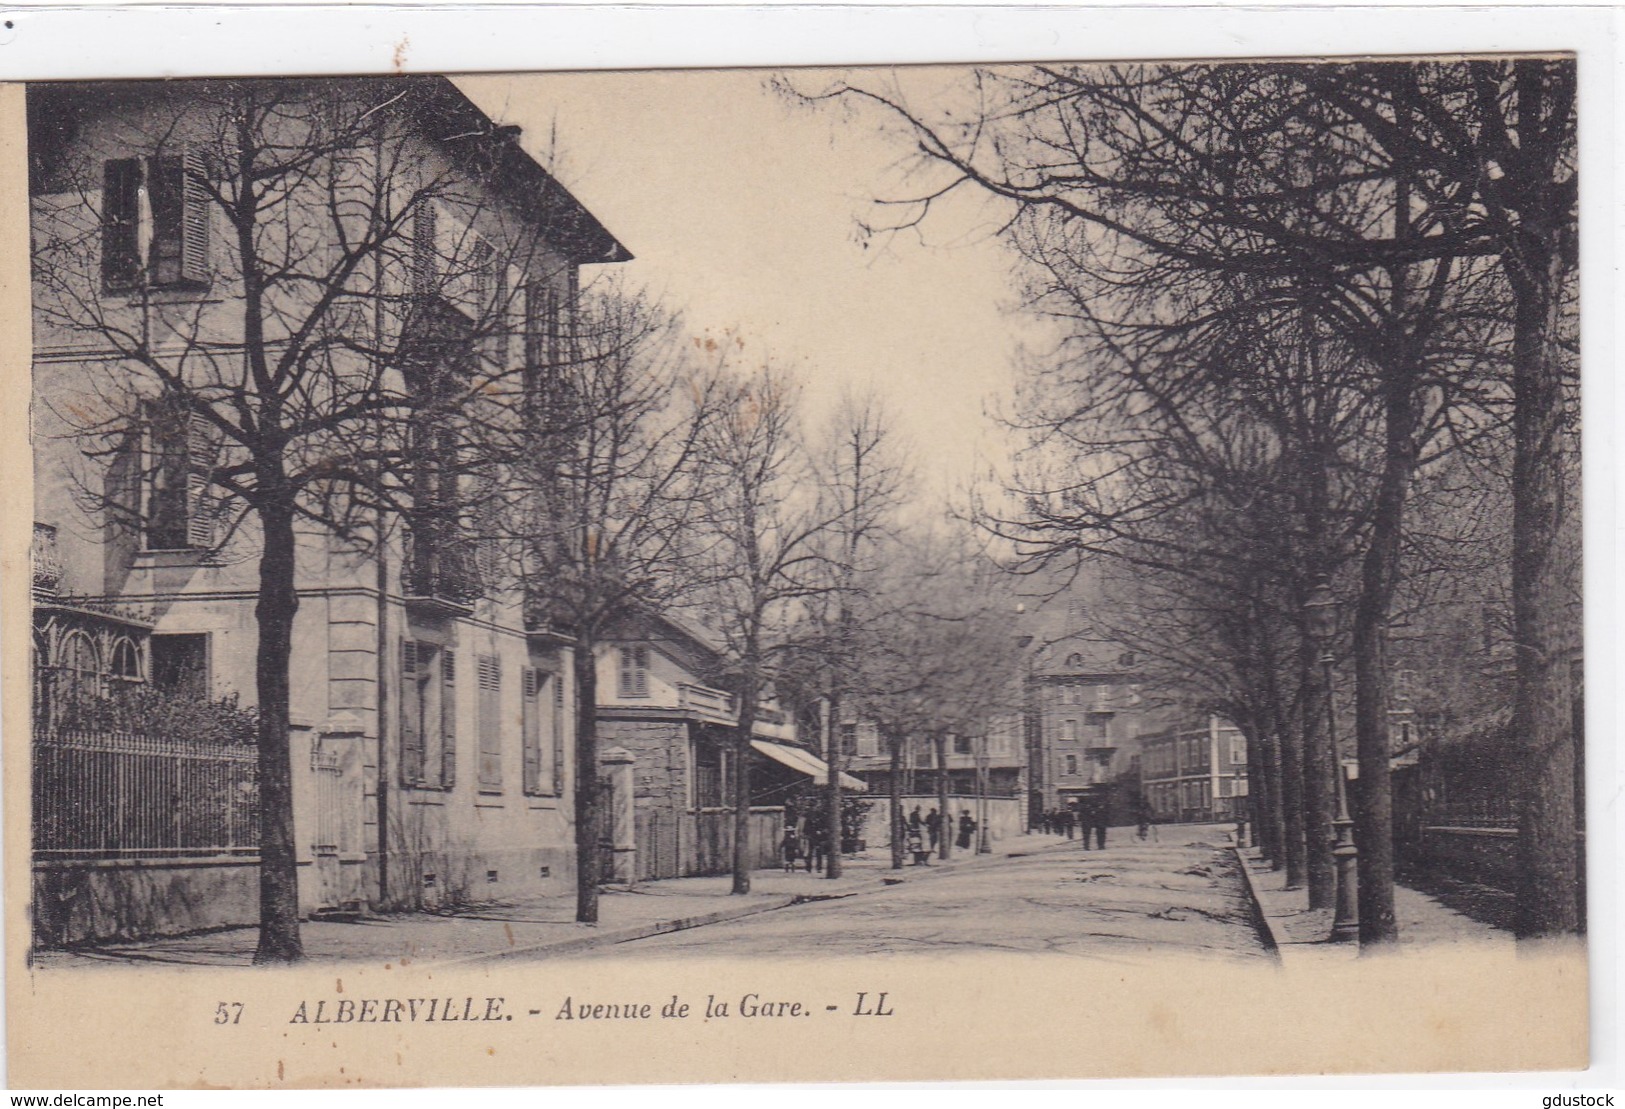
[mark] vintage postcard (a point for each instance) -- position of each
(887, 573)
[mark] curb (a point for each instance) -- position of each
(1261, 922)
(624, 935)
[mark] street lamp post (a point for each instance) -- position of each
(1321, 610)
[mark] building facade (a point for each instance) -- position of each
(664, 700)
(1195, 774)
(430, 712)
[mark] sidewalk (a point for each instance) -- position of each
(544, 926)
(1301, 935)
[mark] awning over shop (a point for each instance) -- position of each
(806, 763)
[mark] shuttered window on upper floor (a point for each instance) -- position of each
(156, 213)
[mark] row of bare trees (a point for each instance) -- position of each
(1287, 297)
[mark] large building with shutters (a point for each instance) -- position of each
(430, 698)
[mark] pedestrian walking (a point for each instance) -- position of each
(1069, 821)
(967, 829)
(817, 846)
(789, 847)
(914, 818)
(916, 847)
(1101, 812)
(933, 826)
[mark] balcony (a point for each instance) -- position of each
(709, 704)
(47, 563)
(545, 623)
(441, 579)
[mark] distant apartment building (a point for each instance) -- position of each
(1196, 773)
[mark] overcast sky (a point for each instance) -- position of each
(742, 209)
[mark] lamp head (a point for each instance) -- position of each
(1320, 611)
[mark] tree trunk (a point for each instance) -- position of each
(278, 602)
(587, 800)
(832, 792)
(896, 788)
(1318, 766)
(741, 775)
(1274, 841)
(1379, 572)
(1547, 896)
(1292, 830)
(939, 744)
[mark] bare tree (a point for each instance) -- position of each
(862, 479)
(261, 281)
(604, 476)
(765, 529)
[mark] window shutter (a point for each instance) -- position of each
(411, 716)
(532, 731)
(494, 309)
(425, 247)
(195, 218)
(558, 736)
(202, 447)
(448, 719)
(490, 681)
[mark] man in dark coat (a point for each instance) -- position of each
(933, 826)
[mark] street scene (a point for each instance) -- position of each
(1109, 512)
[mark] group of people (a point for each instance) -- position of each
(923, 833)
(1091, 816)
(806, 840)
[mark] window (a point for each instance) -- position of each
(709, 779)
(1074, 661)
(180, 664)
(180, 452)
(126, 661)
(428, 716)
(634, 673)
(1069, 694)
(1238, 750)
(1099, 727)
(155, 223)
(540, 731)
(490, 712)
(1069, 730)
(79, 665)
(541, 306)
(849, 739)
(1072, 764)
(1404, 684)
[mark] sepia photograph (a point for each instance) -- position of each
(1108, 519)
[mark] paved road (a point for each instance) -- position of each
(1182, 895)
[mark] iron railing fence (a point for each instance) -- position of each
(109, 795)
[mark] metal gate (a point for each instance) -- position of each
(657, 855)
(328, 770)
